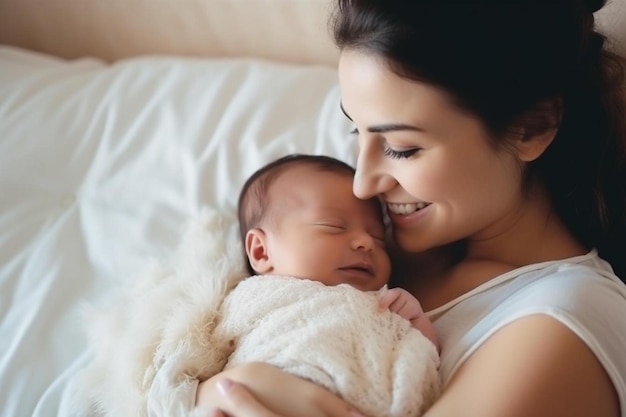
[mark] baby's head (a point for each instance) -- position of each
(298, 217)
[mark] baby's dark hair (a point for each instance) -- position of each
(254, 201)
(519, 66)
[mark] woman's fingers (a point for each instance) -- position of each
(215, 413)
(258, 389)
(239, 402)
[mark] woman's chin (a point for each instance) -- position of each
(408, 242)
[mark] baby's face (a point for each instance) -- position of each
(321, 231)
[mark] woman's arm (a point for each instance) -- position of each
(532, 367)
(261, 390)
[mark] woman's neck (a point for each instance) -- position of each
(535, 234)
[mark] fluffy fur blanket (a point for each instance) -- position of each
(193, 317)
(167, 311)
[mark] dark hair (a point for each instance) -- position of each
(254, 201)
(519, 64)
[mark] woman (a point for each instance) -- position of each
(494, 130)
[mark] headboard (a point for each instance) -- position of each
(285, 30)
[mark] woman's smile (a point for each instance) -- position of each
(406, 208)
(404, 215)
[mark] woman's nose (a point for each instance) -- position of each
(370, 180)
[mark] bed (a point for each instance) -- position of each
(120, 121)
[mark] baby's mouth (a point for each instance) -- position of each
(361, 267)
(406, 208)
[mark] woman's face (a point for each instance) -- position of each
(430, 161)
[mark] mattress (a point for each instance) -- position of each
(101, 167)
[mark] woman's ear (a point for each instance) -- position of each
(257, 251)
(538, 129)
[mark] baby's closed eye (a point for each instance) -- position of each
(334, 226)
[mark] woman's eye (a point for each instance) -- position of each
(391, 153)
(354, 131)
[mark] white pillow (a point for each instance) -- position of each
(102, 165)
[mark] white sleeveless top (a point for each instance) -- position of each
(581, 292)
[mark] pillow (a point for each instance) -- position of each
(101, 167)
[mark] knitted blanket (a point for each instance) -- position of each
(192, 317)
(334, 336)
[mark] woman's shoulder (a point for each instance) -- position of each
(570, 287)
(581, 293)
(576, 284)
(547, 280)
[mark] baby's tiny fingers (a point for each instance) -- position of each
(386, 298)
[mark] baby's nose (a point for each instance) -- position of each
(363, 241)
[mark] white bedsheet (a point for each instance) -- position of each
(100, 168)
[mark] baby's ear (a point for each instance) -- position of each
(257, 251)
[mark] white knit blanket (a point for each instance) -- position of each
(334, 336)
(192, 317)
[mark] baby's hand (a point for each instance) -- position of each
(401, 302)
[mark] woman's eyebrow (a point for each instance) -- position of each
(391, 127)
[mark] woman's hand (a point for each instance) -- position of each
(261, 390)
(239, 401)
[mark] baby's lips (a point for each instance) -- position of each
(362, 266)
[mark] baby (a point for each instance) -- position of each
(317, 304)
(298, 217)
